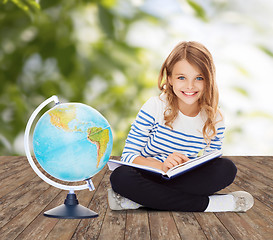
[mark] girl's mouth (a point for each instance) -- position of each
(189, 94)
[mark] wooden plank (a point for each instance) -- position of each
(8, 162)
(24, 218)
(253, 181)
(261, 225)
(4, 158)
(259, 185)
(266, 161)
(114, 221)
(258, 221)
(9, 159)
(188, 226)
(11, 169)
(113, 225)
(41, 226)
(22, 207)
(90, 228)
(259, 210)
(137, 225)
(27, 199)
(65, 228)
(238, 226)
(10, 183)
(11, 197)
(9, 176)
(254, 224)
(212, 227)
(18, 166)
(162, 226)
(261, 170)
(262, 181)
(250, 186)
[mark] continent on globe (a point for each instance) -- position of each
(62, 117)
(100, 137)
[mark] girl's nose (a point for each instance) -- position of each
(190, 85)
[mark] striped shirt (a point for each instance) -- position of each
(150, 137)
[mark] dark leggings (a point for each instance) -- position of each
(188, 192)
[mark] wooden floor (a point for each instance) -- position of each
(24, 197)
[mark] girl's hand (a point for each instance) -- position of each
(174, 159)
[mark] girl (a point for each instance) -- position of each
(181, 123)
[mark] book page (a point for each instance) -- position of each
(113, 164)
(194, 162)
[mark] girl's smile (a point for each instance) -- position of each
(188, 85)
(189, 94)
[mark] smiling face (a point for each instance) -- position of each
(188, 85)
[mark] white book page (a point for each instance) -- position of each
(193, 162)
(113, 164)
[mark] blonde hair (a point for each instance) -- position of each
(199, 56)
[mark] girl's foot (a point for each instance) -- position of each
(243, 201)
(239, 201)
(117, 202)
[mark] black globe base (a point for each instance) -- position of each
(71, 209)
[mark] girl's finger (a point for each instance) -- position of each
(174, 162)
(185, 158)
(182, 156)
(169, 165)
(178, 159)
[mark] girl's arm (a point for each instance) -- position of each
(149, 161)
(139, 134)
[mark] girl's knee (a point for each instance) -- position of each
(228, 169)
(120, 177)
(229, 166)
(116, 175)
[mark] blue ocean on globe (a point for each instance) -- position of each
(72, 141)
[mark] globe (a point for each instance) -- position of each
(72, 141)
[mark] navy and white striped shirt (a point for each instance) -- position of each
(150, 137)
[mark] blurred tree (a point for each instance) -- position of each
(82, 51)
(74, 49)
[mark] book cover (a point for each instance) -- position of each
(173, 172)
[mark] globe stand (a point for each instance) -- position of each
(71, 209)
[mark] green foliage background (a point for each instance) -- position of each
(41, 56)
(79, 51)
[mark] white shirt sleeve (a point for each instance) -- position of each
(140, 131)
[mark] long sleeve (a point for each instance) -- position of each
(140, 131)
(217, 141)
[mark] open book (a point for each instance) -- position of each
(173, 172)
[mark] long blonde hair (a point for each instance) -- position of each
(199, 56)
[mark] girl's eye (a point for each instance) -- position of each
(181, 78)
(199, 78)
